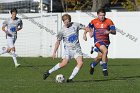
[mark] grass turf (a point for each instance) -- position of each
(124, 77)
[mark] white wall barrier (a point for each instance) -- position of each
(39, 31)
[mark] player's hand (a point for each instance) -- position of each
(85, 37)
(107, 32)
(54, 55)
(10, 35)
(87, 29)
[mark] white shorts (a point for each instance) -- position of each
(10, 42)
(69, 54)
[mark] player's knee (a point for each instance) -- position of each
(99, 57)
(105, 52)
(8, 50)
(63, 63)
(13, 49)
(80, 63)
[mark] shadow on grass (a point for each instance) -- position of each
(126, 65)
(110, 79)
(29, 65)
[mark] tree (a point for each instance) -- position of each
(97, 4)
(137, 4)
(132, 5)
(129, 5)
(72, 5)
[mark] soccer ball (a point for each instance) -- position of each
(59, 78)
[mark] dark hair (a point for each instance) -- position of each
(13, 10)
(66, 16)
(101, 10)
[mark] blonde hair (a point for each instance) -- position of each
(66, 16)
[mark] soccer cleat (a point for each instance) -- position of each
(91, 70)
(105, 73)
(91, 52)
(69, 80)
(46, 75)
(17, 65)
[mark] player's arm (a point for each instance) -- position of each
(59, 38)
(4, 28)
(91, 31)
(84, 35)
(56, 48)
(112, 28)
(20, 25)
(111, 31)
(87, 29)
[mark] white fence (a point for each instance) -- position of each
(39, 31)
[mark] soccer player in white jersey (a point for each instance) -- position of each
(10, 27)
(72, 49)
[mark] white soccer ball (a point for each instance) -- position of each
(59, 78)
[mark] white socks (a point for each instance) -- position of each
(101, 63)
(14, 58)
(56, 67)
(75, 71)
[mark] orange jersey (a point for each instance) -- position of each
(100, 29)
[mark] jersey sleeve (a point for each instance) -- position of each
(111, 25)
(80, 26)
(59, 36)
(20, 24)
(5, 23)
(91, 24)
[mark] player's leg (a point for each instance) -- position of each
(59, 65)
(11, 42)
(63, 63)
(14, 56)
(95, 62)
(79, 60)
(104, 51)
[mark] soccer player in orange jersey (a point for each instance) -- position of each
(100, 28)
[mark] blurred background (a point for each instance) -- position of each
(35, 6)
(42, 21)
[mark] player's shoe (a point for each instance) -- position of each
(105, 73)
(91, 52)
(69, 80)
(91, 71)
(17, 65)
(46, 75)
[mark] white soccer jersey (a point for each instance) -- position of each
(11, 28)
(70, 37)
(12, 25)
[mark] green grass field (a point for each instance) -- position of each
(124, 77)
